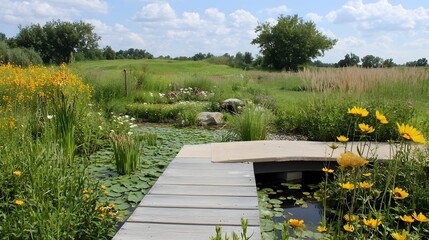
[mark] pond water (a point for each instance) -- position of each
(280, 200)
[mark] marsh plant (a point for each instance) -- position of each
(368, 198)
(252, 124)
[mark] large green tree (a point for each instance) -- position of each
(56, 41)
(290, 43)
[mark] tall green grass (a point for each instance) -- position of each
(252, 124)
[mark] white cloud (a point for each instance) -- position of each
(36, 11)
(283, 9)
(215, 15)
(314, 17)
(242, 17)
(156, 11)
(379, 16)
(192, 19)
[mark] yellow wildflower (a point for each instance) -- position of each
(349, 159)
(365, 184)
(343, 139)
(327, 170)
(380, 117)
(372, 223)
(19, 202)
(103, 187)
(365, 128)
(296, 224)
(322, 229)
(101, 215)
(347, 186)
(349, 228)
(407, 218)
(398, 236)
(112, 205)
(17, 173)
(84, 191)
(420, 217)
(351, 218)
(399, 193)
(410, 133)
(367, 174)
(358, 111)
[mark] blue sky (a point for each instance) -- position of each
(397, 29)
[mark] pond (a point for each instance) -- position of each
(282, 198)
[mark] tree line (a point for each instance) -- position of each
(289, 44)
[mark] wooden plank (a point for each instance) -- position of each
(207, 165)
(208, 172)
(150, 231)
(179, 201)
(204, 190)
(206, 180)
(231, 217)
(191, 160)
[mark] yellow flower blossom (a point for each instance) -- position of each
(365, 128)
(17, 173)
(19, 202)
(372, 223)
(351, 218)
(101, 215)
(103, 187)
(343, 139)
(380, 117)
(410, 133)
(322, 229)
(367, 174)
(407, 218)
(398, 236)
(365, 185)
(358, 111)
(327, 170)
(420, 217)
(349, 228)
(349, 159)
(296, 224)
(347, 186)
(399, 193)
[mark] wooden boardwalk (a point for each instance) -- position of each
(194, 195)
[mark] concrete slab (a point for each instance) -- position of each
(276, 151)
(195, 151)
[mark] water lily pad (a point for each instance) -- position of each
(275, 201)
(135, 197)
(292, 185)
(122, 206)
(118, 188)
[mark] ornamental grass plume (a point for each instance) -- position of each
(399, 236)
(372, 223)
(358, 111)
(399, 193)
(349, 159)
(381, 118)
(365, 128)
(410, 133)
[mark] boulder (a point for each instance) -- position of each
(233, 105)
(210, 118)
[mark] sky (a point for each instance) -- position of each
(397, 29)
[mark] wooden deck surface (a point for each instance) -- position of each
(191, 198)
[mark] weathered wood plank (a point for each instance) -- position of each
(206, 165)
(179, 201)
(194, 216)
(204, 190)
(208, 172)
(150, 231)
(209, 180)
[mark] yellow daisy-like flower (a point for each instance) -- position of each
(347, 186)
(343, 139)
(380, 117)
(19, 202)
(101, 215)
(399, 193)
(372, 223)
(112, 205)
(351, 218)
(327, 170)
(17, 173)
(297, 224)
(349, 159)
(322, 229)
(349, 228)
(365, 185)
(367, 174)
(407, 218)
(398, 236)
(103, 187)
(420, 217)
(358, 111)
(365, 128)
(410, 133)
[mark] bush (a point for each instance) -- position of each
(252, 124)
(19, 56)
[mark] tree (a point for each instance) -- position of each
(349, 60)
(371, 61)
(388, 63)
(109, 53)
(290, 43)
(248, 58)
(422, 62)
(3, 37)
(56, 41)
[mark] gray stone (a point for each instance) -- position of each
(210, 118)
(233, 105)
